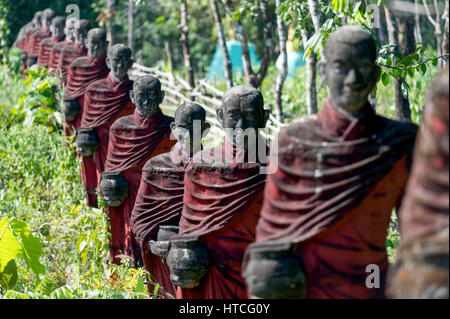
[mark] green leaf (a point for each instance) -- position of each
(10, 247)
(434, 62)
(64, 292)
(31, 246)
(8, 278)
(46, 286)
(423, 68)
(385, 78)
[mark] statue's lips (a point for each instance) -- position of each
(352, 92)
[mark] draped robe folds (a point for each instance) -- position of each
(55, 55)
(133, 140)
(35, 41)
(21, 37)
(28, 43)
(159, 202)
(45, 50)
(221, 207)
(422, 261)
(68, 55)
(337, 179)
(82, 72)
(105, 101)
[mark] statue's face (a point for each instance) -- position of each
(147, 99)
(183, 130)
(57, 30)
(69, 31)
(80, 35)
(96, 47)
(246, 115)
(350, 75)
(119, 64)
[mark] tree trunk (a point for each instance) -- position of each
(436, 22)
(223, 44)
(185, 43)
(284, 66)
(445, 41)
(418, 29)
(131, 24)
(254, 79)
(111, 4)
(169, 55)
(404, 41)
(311, 71)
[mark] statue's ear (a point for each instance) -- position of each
(163, 94)
(132, 97)
(219, 113)
(130, 64)
(173, 127)
(108, 63)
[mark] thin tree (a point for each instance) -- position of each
(436, 22)
(254, 78)
(284, 63)
(131, 24)
(445, 41)
(223, 44)
(399, 29)
(417, 27)
(184, 27)
(111, 5)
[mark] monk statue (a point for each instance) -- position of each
(133, 140)
(105, 101)
(84, 71)
(159, 201)
(74, 50)
(39, 34)
(25, 31)
(222, 199)
(421, 269)
(28, 37)
(47, 44)
(55, 54)
(337, 177)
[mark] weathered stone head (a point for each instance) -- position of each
(23, 58)
(147, 95)
(119, 60)
(31, 60)
(47, 17)
(57, 27)
(189, 118)
(242, 108)
(96, 43)
(349, 69)
(81, 30)
(69, 29)
(37, 19)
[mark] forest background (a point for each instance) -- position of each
(60, 245)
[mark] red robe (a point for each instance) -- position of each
(82, 72)
(159, 202)
(221, 207)
(28, 41)
(55, 55)
(45, 50)
(21, 38)
(35, 41)
(105, 101)
(421, 270)
(337, 180)
(133, 140)
(69, 54)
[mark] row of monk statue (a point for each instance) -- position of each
(314, 226)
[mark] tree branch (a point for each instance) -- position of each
(414, 66)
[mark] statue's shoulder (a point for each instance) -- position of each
(296, 129)
(124, 123)
(162, 164)
(393, 127)
(47, 41)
